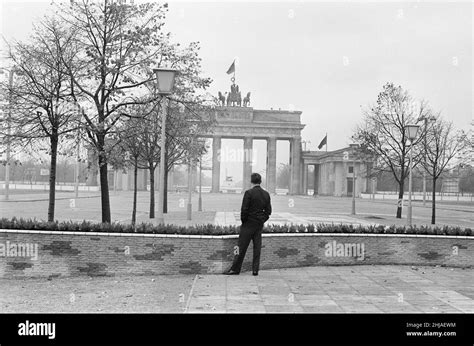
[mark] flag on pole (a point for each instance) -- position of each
(231, 68)
(323, 142)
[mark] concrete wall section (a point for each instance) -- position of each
(56, 254)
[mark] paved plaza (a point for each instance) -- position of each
(346, 289)
(336, 289)
(224, 209)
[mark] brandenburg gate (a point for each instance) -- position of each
(234, 121)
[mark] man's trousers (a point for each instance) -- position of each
(250, 230)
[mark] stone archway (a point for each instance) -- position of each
(248, 124)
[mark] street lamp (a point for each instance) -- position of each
(11, 72)
(165, 79)
(426, 119)
(8, 154)
(200, 179)
(410, 132)
(193, 130)
(200, 184)
(190, 183)
(78, 157)
(354, 146)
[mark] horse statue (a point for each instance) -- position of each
(221, 99)
(247, 100)
(234, 98)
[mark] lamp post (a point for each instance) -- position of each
(8, 153)
(8, 149)
(202, 143)
(165, 81)
(373, 188)
(190, 183)
(77, 169)
(410, 131)
(425, 119)
(354, 147)
(353, 186)
(200, 184)
(78, 157)
(192, 155)
(11, 72)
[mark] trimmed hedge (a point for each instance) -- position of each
(210, 229)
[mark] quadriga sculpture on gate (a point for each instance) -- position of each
(234, 98)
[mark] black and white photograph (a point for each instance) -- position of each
(222, 159)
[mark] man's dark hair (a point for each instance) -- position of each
(256, 178)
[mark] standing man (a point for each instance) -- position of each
(256, 210)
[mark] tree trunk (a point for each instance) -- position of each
(152, 191)
(52, 176)
(165, 192)
(433, 203)
(104, 179)
(135, 178)
(400, 199)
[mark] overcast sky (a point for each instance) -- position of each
(328, 59)
(325, 59)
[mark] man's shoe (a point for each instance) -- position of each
(254, 273)
(231, 272)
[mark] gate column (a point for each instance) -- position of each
(216, 163)
(248, 157)
(305, 179)
(295, 159)
(271, 165)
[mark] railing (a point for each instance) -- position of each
(418, 196)
(45, 186)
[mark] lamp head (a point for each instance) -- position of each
(411, 131)
(165, 79)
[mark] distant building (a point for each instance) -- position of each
(450, 185)
(334, 172)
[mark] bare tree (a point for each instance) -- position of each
(466, 154)
(149, 156)
(440, 147)
(111, 57)
(130, 149)
(117, 44)
(195, 112)
(41, 95)
(182, 117)
(383, 134)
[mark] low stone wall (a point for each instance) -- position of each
(55, 254)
